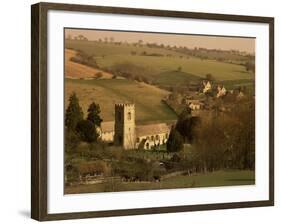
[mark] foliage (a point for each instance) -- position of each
(228, 139)
(74, 113)
(250, 66)
(175, 141)
(87, 131)
(85, 59)
(71, 140)
(210, 77)
(94, 114)
(186, 124)
(94, 168)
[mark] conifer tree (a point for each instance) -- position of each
(74, 113)
(94, 114)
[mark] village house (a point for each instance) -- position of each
(124, 132)
(195, 104)
(207, 87)
(221, 91)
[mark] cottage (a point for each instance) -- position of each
(221, 91)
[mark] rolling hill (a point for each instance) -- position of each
(76, 70)
(107, 92)
(109, 55)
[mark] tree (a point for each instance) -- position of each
(71, 140)
(186, 124)
(250, 66)
(179, 69)
(87, 131)
(175, 141)
(210, 77)
(74, 113)
(94, 114)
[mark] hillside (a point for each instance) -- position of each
(107, 92)
(76, 70)
(101, 49)
(110, 55)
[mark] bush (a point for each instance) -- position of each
(98, 75)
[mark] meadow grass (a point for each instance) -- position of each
(108, 55)
(195, 66)
(107, 92)
(214, 179)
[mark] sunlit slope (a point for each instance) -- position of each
(107, 92)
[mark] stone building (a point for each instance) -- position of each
(125, 126)
(124, 131)
(207, 86)
(221, 91)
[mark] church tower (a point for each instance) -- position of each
(125, 126)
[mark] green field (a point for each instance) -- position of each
(107, 92)
(218, 178)
(219, 70)
(109, 55)
(106, 49)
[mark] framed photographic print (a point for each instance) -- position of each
(138, 111)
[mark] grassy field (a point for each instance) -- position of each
(218, 178)
(76, 70)
(106, 49)
(108, 55)
(195, 66)
(107, 92)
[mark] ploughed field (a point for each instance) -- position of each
(214, 179)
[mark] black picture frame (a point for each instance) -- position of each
(39, 108)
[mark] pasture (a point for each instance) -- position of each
(107, 92)
(214, 179)
(109, 55)
(76, 70)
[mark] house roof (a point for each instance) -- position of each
(152, 129)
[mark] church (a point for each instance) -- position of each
(124, 131)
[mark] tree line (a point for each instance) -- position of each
(76, 127)
(223, 140)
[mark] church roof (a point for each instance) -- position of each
(141, 130)
(152, 129)
(107, 126)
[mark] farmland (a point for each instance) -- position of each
(217, 178)
(109, 55)
(107, 92)
(76, 70)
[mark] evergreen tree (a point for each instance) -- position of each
(74, 113)
(175, 141)
(94, 114)
(87, 131)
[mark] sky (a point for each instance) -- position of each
(211, 42)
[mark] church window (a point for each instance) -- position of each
(152, 137)
(157, 137)
(138, 140)
(129, 116)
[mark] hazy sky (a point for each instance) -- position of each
(190, 41)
